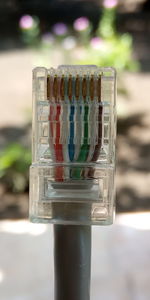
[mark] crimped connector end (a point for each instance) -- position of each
(74, 129)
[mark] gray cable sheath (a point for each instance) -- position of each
(72, 262)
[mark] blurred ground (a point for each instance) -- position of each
(120, 260)
(133, 144)
(16, 83)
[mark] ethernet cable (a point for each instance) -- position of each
(73, 166)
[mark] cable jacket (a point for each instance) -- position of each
(72, 262)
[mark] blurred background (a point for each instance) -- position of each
(49, 33)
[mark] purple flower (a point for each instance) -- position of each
(26, 22)
(96, 42)
(81, 24)
(110, 3)
(60, 29)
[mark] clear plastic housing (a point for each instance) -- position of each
(74, 131)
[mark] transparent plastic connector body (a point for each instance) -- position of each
(74, 132)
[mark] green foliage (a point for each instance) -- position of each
(107, 24)
(116, 52)
(75, 44)
(14, 166)
(114, 49)
(30, 30)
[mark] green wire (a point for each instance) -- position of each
(76, 174)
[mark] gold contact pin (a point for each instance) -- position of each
(84, 87)
(70, 87)
(99, 88)
(48, 87)
(55, 88)
(92, 87)
(62, 87)
(77, 87)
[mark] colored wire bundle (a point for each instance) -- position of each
(75, 118)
